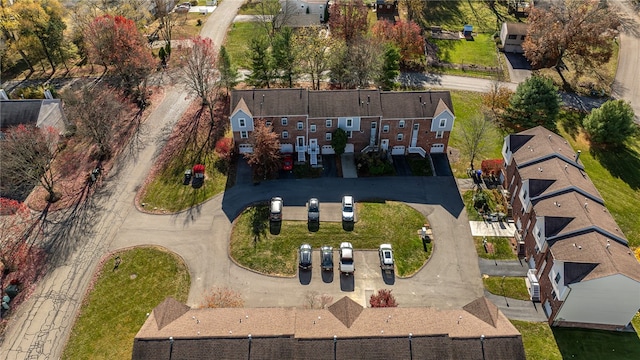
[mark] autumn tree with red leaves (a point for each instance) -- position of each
(265, 158)
(115, 41)
(348, 19)
(26, 154)
(576, 30)
(383, 298)
(405, 35)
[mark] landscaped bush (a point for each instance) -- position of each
(373, 164)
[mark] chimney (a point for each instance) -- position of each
(578, 155)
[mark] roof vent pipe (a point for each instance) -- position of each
(578, 155)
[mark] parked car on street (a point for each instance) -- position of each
(346, 258)
(313, 210)
(326, 258)
(348, 208)
(305, 256)
(287, 162)
(275, 209)
(386, 257)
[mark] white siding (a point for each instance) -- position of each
(611, 300)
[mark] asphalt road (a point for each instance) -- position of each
(627, 81)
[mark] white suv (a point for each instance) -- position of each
(348, 208)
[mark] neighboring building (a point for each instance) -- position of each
(398, 122)
(303, 9)
(586, 274)
(344, 330)
(512, 36)
(42, 113)
(387, 10)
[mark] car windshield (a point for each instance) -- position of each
(348, 208)
(387, 254)
(313, 207)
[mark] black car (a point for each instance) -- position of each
(305, 256)
(313, 210)
(326, 258)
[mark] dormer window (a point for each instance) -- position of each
(242, 122)
(349, 122)
(443, 122)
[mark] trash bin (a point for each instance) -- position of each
(187, 177)
(11, 290)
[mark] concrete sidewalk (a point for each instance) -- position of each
(490, 228)
(512, 268)
(518, 309)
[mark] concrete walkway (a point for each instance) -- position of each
(492, 228)
(518, 309)
(512, 268)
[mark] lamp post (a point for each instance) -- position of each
(504, 294)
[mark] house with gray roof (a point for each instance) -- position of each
(398, 122)
(344, 330)
(43, 113)
(580, 265)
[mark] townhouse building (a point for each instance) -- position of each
(581, 267)
(399, 122)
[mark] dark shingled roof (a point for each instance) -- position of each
(169, 310)
(369, 333)
(346, 310)
(338, 103)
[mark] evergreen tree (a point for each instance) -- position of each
(390, 68)
(284, 56)
(228, 72)
(261, 63)
(610, 124)
(535, 102)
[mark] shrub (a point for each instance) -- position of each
(383, 298)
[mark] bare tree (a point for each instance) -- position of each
(274, 14)
(477, 135)
(199, 69)
(96, 112)
(313, 46)
(26, 154)
(265, 158)
(315, 300)
(167, 19)
(222, 297)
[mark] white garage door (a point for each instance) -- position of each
(245, 148)
(327, 150)
(397, 150)
(348, 149)
(286, 148)
(437, 148)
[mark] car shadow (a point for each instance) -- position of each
(389, 277)
(304, 276)
(347, 225)
(275, 227)
(313, 226)
(327, 276)
(347, 282)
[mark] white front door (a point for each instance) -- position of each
(313, 151)
(372, 139)
(300, 148)
(384, 144)
(414, 135)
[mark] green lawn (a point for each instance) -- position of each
(616, 175)
(254, 246)
(514, 287)
(502, 246)
(481, 51)
(596, 344)
(467, 104)
(539, 343)
(113, 312)
(453, 15)
(237, 42)
(166, 192)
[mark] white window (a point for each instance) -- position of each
(385, 129)
(349, 122)
(268, 123)
(284, 121)
(401, 124)
(443, 122)
(327, 136)
(285, 134)
(327, 123)
(400, 137)
(349, 134)
(244, 135)
(312, 128)
(242, 122)
(300, 125)
(439, 134)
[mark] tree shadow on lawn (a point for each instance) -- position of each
(596, 344)
(622, 162)
(571, 122)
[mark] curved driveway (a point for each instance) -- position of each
(450, 279)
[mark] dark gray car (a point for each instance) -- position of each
(305, 256)
(326, 258)
(313, 210)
